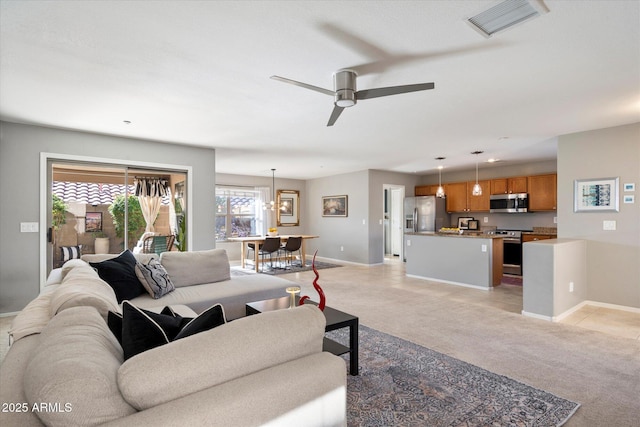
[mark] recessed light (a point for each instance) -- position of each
(126, 122)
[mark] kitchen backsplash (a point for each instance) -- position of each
(509, 221)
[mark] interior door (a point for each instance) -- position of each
(396, 221)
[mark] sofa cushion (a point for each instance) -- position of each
(70, 265)
(233, 294)
(143, 258)
(233, 350)
(196, 267)
(154, 278)
(120, 274)
(76, 365)
(82, 287)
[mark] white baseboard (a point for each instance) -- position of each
(15, 313)
(577, 307)
(338, 261)
(449, 282)
(614, 306)
(537, 316)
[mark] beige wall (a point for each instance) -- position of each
(613, 257)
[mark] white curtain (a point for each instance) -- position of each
(150, 192)
(262, 215)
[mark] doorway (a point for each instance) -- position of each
(393, 196)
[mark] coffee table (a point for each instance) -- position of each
(336, 319)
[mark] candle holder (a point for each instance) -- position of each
(293, 290)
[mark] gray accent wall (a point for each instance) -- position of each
(613, 257)
(20, 148)
(361, 233)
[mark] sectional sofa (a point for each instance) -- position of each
(66, 367)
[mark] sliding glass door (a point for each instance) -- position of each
(105, 208)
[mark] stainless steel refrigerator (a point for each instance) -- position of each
(424, 214)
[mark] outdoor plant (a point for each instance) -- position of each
(136, 222)
(58, 211)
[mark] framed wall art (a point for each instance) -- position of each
(463, 222)
(93, 222)
(596, 195)
(288, 202)
(334, 206)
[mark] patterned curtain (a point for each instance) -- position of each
(150, 192)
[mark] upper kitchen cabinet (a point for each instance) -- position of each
(460, 199)
(512, 185)
(426, 190)
(542, 192)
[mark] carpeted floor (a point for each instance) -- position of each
(404, 384)
(512, 280)
(295, 268)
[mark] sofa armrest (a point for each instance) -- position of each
(309, 391)
(230, 351)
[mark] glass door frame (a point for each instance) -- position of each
(45, 191)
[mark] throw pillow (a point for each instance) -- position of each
(71, 252)
(143, 330)
(120, 274)
(154, 278)
(208, 319)
(139, 330)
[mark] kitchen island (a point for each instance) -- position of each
(472, 260)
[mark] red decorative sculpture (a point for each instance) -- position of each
(316, 286)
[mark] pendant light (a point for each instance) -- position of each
(273, 189)
(440, 190)
(477, 190)
(272, 204)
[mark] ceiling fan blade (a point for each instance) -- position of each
(304, 85)
(334, 115)
(392, 90)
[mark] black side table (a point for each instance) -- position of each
(336, 319)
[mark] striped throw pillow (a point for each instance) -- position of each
(71, 252)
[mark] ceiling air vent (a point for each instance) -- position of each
(505, 15)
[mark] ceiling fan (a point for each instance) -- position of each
(346, 95)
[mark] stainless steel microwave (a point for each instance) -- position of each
(509, 203)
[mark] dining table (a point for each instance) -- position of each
(259, 240)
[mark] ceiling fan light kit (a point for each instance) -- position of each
(440, 190)
(505, 15)
(346, 95)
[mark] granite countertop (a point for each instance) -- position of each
(545, 231)
(467, 235)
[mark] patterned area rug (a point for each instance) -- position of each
(404, 384)
(295, 268)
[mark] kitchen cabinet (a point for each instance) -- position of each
(536, 237)
(542, 192)
(426, 190)
(517, 184)
(460, 199)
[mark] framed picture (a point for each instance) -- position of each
(463, 222)
(629, 199)
(288, 202)
(334, 206)
(629, 186)
(596, 195)
(93, 222)
(473, 224)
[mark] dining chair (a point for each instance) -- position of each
(293, 244)
(270, 245)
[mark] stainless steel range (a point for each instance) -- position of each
(512, 250)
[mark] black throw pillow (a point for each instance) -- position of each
(139, 330)
(143, 330)
(208, 319)
(120, 274)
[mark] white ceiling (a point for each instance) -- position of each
(197, 73)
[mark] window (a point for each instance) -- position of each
(238, 212)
